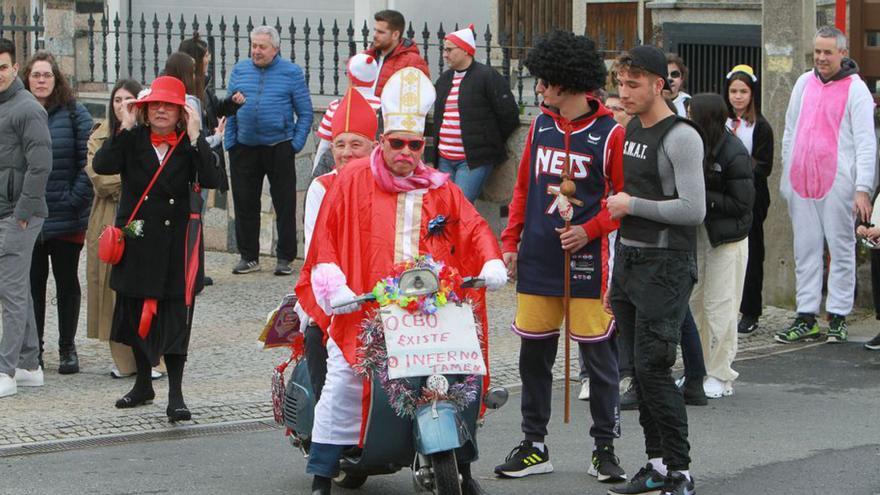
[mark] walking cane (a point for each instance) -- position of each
(566, 211)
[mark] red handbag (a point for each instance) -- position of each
(111, 242)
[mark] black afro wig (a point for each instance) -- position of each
(571, 62)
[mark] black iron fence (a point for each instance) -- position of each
(23, 28)
(137, 48)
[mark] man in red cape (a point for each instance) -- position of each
(383, 210)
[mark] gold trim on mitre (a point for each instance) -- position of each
(406, 100)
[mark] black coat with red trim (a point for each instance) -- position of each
(153, 265)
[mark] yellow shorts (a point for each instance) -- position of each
(540, 317)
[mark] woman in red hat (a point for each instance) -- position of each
(152, 314)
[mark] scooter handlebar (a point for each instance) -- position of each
(473, 283)
(358, 300)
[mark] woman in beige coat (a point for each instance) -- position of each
(101, 298)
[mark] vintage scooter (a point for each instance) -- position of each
(433, 439)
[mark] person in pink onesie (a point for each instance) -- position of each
(829, 150)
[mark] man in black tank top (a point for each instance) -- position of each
(662, 203)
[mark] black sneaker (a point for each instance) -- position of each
(282, 267)
(629, 400)
(837, 332)
(678, 484)
(647, 481)
(747, 325)
(605, 466)
(245, 266)
(525, 459)
(873, 344)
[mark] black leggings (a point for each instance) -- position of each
(65, 262)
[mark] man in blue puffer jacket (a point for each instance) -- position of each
(263, 139)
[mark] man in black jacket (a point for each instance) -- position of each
(474, 114)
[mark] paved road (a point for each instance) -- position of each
(800, 423)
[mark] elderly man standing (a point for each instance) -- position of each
(263, 139)
(474, 115)
(25, 146)
(828, 154)
(377, 214)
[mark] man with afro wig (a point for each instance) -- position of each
(574, 147)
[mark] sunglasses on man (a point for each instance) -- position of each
(415, 144)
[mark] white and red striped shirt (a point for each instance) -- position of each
(451, 146)
(325, 129)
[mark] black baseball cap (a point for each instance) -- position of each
(651, 59)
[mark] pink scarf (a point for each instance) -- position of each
(423, 177)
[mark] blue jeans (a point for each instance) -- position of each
(324, 459)
(470, 180)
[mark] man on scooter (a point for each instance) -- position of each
(573, 157)
(377, 214)
(353, 136)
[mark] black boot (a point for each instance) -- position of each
(176, 410)
(321, 485)
(469, 485)
(68, 361)
(693, 392)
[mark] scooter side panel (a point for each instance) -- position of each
(299, 401)
(389, 438)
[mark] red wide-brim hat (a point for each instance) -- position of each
(166, 89)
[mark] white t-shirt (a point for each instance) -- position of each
(744, 131)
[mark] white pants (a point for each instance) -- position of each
(338, 413)
(715, 300)
(815, 222)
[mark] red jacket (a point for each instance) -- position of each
(406, 54)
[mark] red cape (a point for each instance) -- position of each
(356, 230)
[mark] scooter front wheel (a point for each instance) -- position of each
(350, 481)
(445, 469)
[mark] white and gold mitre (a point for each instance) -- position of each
(407, 98)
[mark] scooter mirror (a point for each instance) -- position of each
(496, 397)
(418, 282)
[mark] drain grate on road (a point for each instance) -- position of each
(173, 433)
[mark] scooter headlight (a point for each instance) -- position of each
(438, 384)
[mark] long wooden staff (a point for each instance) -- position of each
(566, 193)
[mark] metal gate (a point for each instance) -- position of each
(711, 50)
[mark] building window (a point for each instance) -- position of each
(873, 39)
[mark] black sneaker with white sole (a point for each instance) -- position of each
(605, 466)
(678, 484)
(525, 459)
(647, 481)
(873, 344)
(245, 266)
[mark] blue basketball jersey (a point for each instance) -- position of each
(540, 264)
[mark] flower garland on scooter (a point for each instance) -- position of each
(372, 354)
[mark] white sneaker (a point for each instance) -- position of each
(27, 378)
(7, 385)
(155, 375)
(585, 390)
(728, 388)
(714, 387)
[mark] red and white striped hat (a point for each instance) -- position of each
(362, 70)
(464, 39)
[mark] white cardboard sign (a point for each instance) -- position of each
(442, 343)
